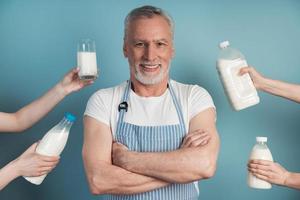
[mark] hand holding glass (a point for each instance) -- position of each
(86, 60)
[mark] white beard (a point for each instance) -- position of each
(150, 79)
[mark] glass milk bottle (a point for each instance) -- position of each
(262, 152)
(53, 142)
(86, 60)
(239, 89)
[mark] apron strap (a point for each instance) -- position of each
(178, 107)
(122, 110)
(123, 107)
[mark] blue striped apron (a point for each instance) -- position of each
(154, 139)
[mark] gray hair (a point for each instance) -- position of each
(147, 12)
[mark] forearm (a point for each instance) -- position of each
(283, 89)
(33, 112)
(110, 179)
(293, 180)
(7, 174)
(179, 166)
(104, 177)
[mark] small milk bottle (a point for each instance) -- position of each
(239, 89)
(53, 142)
(262, 152)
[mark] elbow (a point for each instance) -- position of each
(96, 188)
(209, 169)
(17, 127)
(209, 172)
(19, 123)
(19, 130)
(205, 170)
(94, 178)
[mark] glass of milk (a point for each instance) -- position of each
(86, 59)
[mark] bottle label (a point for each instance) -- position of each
(242, 84)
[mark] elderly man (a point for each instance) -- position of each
(149, 137)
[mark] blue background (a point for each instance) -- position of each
(38, 42)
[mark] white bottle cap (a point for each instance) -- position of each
(261, 139)
(224, 44)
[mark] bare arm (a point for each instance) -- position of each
(182, 165)
(275, 87)
(293, 180)
(103, 177)
(33, 112)
(274, 173)
(28, 164)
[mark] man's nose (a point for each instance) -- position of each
(150, 53)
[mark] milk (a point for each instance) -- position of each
(260, 151)
(53, 143)
(239, 89)
(87, 64)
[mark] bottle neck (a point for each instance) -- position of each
(66, 124)
(262, 144)
(229, 53)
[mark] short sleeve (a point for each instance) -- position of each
(97, 108)
(200, 100)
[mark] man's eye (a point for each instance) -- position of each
(139, 44)
(161, 44)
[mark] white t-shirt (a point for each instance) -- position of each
(148, 111)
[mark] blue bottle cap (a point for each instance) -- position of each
(70, 117)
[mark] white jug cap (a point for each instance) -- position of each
(261, 139)
(224, 44)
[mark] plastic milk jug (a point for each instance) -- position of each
(239, 89)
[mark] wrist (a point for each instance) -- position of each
(60, 90)
(127, 159)
(13, 169)
(286, 179)
(263, 84)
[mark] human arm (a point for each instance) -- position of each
(104, 177)
(182, 165)
(293, 180)
(274, 173)
(28, 164)
(33, 112)
(275, 87)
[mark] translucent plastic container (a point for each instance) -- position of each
(239, 89)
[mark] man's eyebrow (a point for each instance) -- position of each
(161, 40)
(138, 40)
(155, 40)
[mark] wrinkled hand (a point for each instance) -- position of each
(33, 164)
(269, 171)
(71, 82)
(119, 152)
(256, 77)
(197, 138)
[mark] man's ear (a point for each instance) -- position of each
(125, 51)
(173, 52)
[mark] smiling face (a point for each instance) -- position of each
(148, 45)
